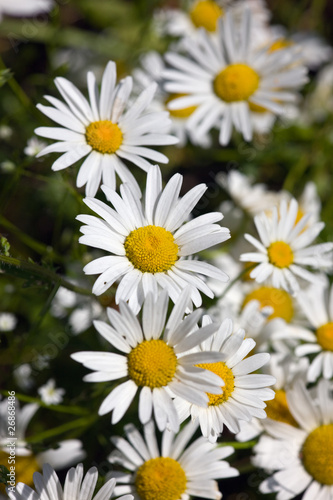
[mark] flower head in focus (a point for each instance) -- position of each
(105, 131)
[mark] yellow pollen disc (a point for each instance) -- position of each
(160, 478)
(325, 336)
(24, 469)
(277, 409)
(280, 254)
(151, 249)
(317, 454)
(226, 374)
(180, 113)
(279, 300)
(256, 108)
(152, 363)
(104, 136)
(205, 14)
(236, 82)
(279, 44)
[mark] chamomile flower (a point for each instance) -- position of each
(179, 471)
(153, 360)
(20, 8)
(151, 245)
(243, 393)
(284, 252)
(105, 130)
(48, 486)
(286, 369)
(317, 305)
(151, 70)
(302, 457)
(226, 78)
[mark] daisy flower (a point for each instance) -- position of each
(243, 393)
(226, 79)
(26, 463)
(105, 130)
(153, 360)
(151, 70)
(76, 486)
(179, 471)
(286, 369)
(151, 245)
(317, 305)
(20, 8)
(302, 457)
(284, 250)
(49, 394)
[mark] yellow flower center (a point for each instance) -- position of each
(160, 478)
(104, 136)
(205, 14)
(317, 454)
(280, 43)
(226, 374)
(277, 409)
(151, 249)
(24, 469)
(236, 82)
(325, 336)
(279, 300)
(152, 363)
(180, 113)
(280, 254)
(256, 108)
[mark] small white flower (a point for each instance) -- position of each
(153, 359)
(152, 245)
(226, 79)
(48, 486)
(105, 130)
(301, 456)
(179, 471)
(34, 146)
(8, 322)
(49, 394)
(5, 132)
(284, 249)
(28, 8)
(243, 393)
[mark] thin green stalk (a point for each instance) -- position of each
(238, 277)
(71, 410)
(30, 242)
(27, 269)
(61, 429)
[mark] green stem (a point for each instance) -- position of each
(72, 410)
(238, 277)
(36, 271)
(30, 242)
(61, 429)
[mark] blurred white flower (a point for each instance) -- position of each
(8, 322)
(49, 394)
(20, 8)
(34, 146)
